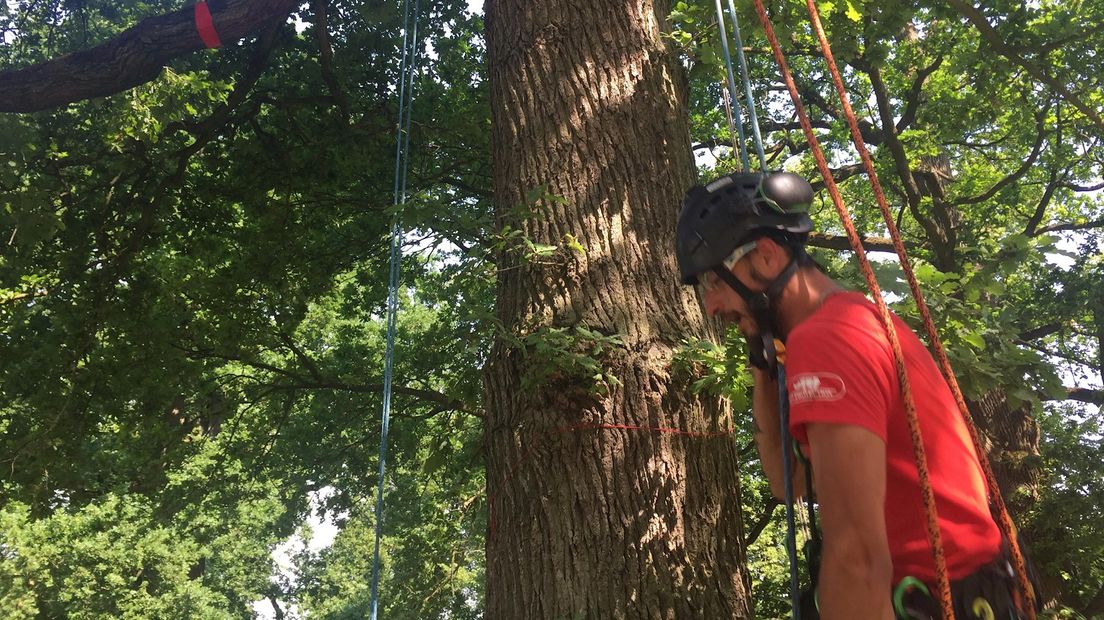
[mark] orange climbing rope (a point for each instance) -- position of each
(930, 509)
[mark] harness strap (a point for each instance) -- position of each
(761, 308)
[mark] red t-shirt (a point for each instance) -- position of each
(841, 370)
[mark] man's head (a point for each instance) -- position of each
(756, 265)
(742, 237)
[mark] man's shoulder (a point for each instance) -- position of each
(844, 318)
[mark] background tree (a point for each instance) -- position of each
(191, 308)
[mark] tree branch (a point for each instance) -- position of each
(1098, 223)
(204, 132)
(1085, 188)
(278, 612)
(1031, 229)
(871, 135)
(1084, 395)
(840, 242)
(900, 158)
(839, 175)
(134, 57)
(1041, 331)
(768, 513)
(301, 355)
(299, 382)
(230, 357)
(325, 59)
(912, 103)
(938, 238)
(1028, 162)
(444, 400)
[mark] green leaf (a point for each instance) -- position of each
(853, 13)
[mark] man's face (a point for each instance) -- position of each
(726, 304)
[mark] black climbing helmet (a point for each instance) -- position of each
(734, 209)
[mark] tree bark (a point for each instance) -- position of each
(1012, 440)
(134, 57)
(592, 522)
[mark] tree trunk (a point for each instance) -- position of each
(1011, 437)
(590, 521)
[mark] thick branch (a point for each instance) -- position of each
(1085, 188)
(937, 237)
(276, 609)
(840, 174)
(900, 158)
(1098, 223)
(870, 133)
(134, 57)
(991, 35)
(1041, 332)
(840, 242)
(1084, 395)
(302, 356)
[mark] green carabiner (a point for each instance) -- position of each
(899, 594)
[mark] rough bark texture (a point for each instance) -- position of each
(1012, 438)
(591, 522)
(134, 57)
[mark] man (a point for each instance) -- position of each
(741, 239)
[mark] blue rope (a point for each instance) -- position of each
(783, 395)
(732, 88)
(752, 116)
(402, 147)
(787, 474)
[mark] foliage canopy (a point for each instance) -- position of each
(192, 280)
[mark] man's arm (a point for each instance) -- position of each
(768, 436)
(856, 569)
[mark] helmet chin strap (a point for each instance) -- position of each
(762, 306)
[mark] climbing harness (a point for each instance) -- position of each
(402, 161)
(985, 594)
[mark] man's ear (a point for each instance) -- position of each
(771, 253)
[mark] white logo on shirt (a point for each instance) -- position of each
(816, 386)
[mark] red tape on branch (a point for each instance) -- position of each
(491, 497)
(205, 26)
